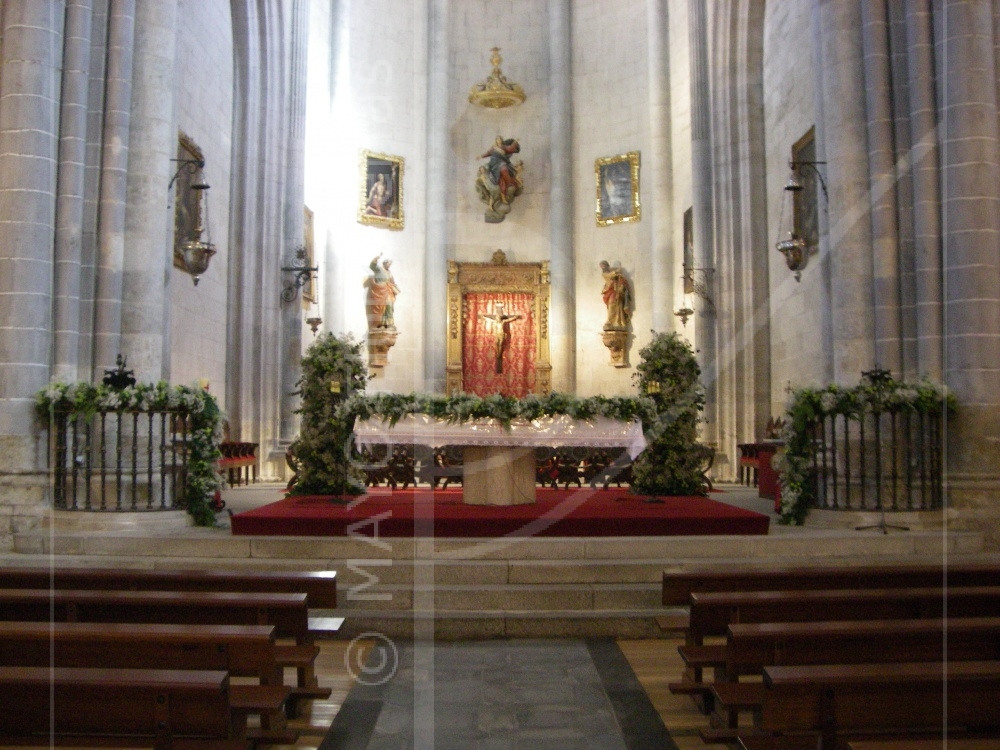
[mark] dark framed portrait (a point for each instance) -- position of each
(381, 193)
(617, 182)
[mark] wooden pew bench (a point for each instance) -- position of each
(821, 707)
(678, 585)
(240, 650)
(752, 647)
(320, 585)
(288, 613)
(712, 613)
(165, 709)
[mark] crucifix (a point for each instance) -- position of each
(501, 331)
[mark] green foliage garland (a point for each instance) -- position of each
(204, 436)
(807, 407)
(333, 370)
(672, 462)
(392, 407)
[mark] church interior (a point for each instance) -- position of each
(516, 201)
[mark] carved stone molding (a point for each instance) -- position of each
(617, 342)
(380, 341)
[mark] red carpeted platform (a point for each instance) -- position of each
(573, 513)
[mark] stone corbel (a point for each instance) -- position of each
(617, 342)
(380, 341)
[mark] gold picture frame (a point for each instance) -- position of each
(380, 200)
(617, 181)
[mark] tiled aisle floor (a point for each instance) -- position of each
(558, 694)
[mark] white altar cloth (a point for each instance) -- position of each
(556, 431)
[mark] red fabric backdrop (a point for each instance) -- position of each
(479, 374)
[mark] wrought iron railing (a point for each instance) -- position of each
(877, 460)
(119, 460)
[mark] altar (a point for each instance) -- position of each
(499, 459)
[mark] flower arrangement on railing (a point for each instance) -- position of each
(877, 393)
(204, 421)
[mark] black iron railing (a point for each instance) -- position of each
(878, 460)
(119, 460)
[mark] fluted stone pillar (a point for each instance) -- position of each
(701, 188)
(437, 203)
(29, 123)
(114, 172)
(658, 170)
(294, 199)
(881, 160)
(145, 322)
(970, 156)
(845, 130)
(562, 319)
(926, 186)
(70, 201)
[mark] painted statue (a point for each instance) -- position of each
(381, 298)
(617, 296)
(499, 180)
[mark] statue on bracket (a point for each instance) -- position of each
(499, 180)
(380, 303)
(619, 301)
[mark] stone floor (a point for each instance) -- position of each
(559, 694)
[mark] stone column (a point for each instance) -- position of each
(294, 200)
(926, 186)
(970, 160)
(437, 197)
(701, 189)
(562, 339)
(658, 169)
(29, 124)
(882, 180)
(152, 143)
(69, 203)
(30, 61)
(845, 130)
(114, 171)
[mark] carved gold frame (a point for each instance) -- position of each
(498, 276)
(617, 166)
(371, 163)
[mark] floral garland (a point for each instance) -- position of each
(203, 478)
(463, 407)
(807, 407)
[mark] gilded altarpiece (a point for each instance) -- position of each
(498, 328)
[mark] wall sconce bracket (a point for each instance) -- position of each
(302, 274)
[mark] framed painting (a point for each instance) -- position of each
(381, 192)
(617, 180)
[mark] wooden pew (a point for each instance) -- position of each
(679, 585)
(320, 585)
(240, 650)
(750, 647)
(288, 613)
(165, 709)
(836, 702)
(712, 613)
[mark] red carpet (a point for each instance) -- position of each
(573, 512)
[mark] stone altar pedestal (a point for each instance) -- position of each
(499, 475)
